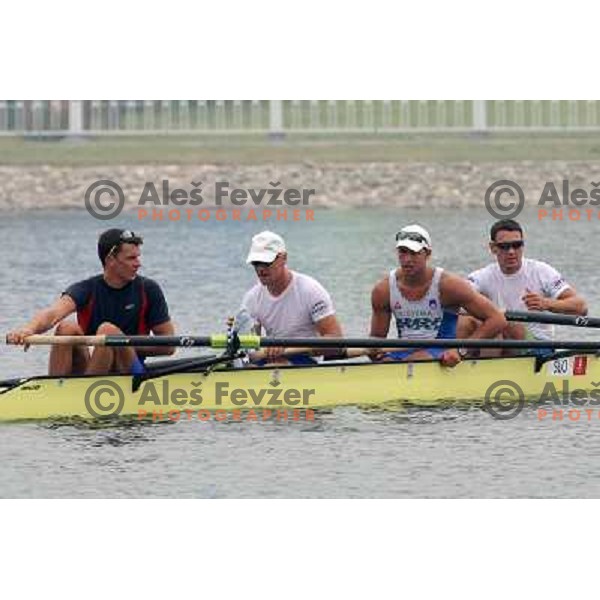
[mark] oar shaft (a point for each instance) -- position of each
(182, 341)
(552, 318)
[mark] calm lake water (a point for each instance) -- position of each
(344, 453)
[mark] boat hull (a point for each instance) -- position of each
(297, 388)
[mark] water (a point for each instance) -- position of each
(347, 452)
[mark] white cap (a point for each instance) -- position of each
(413, 237)
(266, 245)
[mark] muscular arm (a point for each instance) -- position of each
(380, 306)
(570, 303)
(329, 327)
(44, 319)
(459, 293)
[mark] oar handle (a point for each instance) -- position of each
(349, 352)
(262, 354)
(65, 340)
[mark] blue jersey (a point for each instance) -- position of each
(425, 318)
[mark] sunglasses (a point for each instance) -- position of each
(506, 246)
(412, 236)
(263, 265)
(126, 237)
(402, 250)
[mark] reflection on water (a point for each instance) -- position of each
(346, 452)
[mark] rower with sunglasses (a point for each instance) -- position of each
(517, 283)
(425, 302)
(286, 303)
(117, 301)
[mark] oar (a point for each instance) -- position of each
(189, 365)
(118, 340)
(326, 342)
(552, 318)
(262, 354)
(254, 341)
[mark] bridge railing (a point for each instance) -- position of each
(138, 117)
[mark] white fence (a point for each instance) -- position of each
(133, 117)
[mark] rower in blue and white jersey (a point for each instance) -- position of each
(425, 302)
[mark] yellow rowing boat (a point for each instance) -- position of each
(338, 383)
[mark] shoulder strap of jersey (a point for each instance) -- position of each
(143, 328)
(84, 314)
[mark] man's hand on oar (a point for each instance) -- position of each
(19, 337)
(535, 301)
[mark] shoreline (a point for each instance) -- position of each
(335, 185)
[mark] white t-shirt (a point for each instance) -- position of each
(506, 291)
(293, 313)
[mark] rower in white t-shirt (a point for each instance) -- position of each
(286, 303)
(517, 283)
